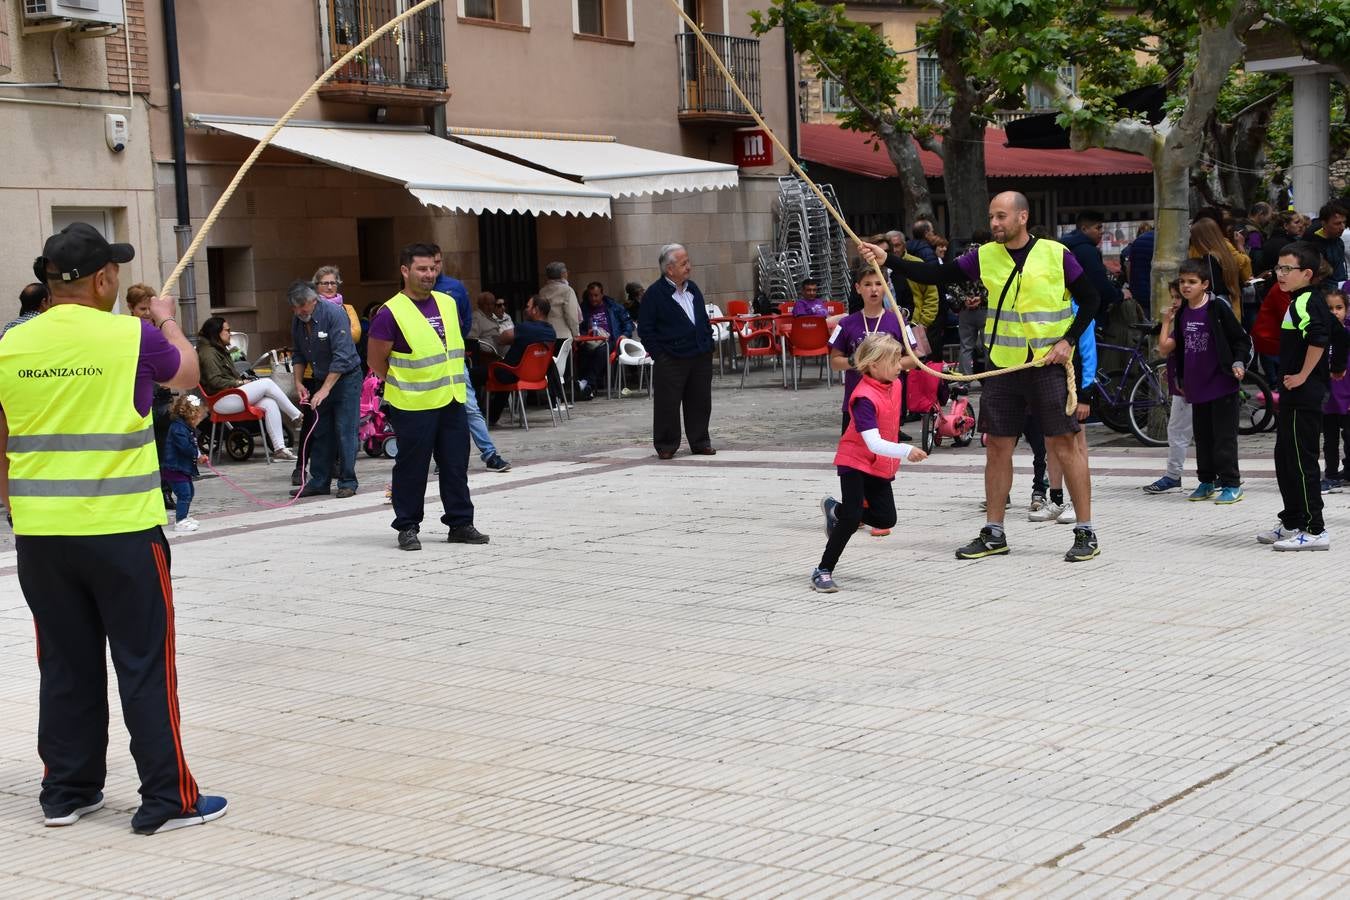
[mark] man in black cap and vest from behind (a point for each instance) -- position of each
(80, 478)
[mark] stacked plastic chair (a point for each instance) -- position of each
(808, 243)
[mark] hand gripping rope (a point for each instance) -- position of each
(1072, 403)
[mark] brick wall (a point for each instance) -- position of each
(116, 49)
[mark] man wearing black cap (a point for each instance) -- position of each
(80, 478)
(32, 301)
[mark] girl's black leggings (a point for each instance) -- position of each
(880, 512)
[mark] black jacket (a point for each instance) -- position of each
(663, 326)
(1233, 344)
(1309, 323)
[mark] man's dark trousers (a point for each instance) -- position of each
(680, 382)
(119, 596)
(441, 434)
(334, 436)
(1297, 432)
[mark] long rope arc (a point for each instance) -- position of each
(838, 217)
(267, 139)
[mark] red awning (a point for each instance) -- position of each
(852, 151)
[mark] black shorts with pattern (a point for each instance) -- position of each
(1007, 400)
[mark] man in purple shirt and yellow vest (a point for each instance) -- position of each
(1031, 284)
(80, 478)
(417, 348)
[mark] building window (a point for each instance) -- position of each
(832, 97)
(229, 279)
(507, 12)
(1039, 98)
(930, 83)
(377, 254)
(591, 17)
(603, 18)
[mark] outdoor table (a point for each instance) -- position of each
(719, 320)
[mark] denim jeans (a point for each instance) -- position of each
(335, 436)
(183, 492)
(478, 428)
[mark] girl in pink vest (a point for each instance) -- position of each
(868, 455)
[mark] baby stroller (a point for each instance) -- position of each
(945, 408)
(374, 432)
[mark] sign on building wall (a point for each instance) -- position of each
(753, 147)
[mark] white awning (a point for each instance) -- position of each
(436, 171)
(620, 169)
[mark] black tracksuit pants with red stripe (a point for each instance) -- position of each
(85, 593)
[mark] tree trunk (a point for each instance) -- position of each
(963, 175)
(904, 154)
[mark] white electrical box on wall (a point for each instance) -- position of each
(116, 132)
(106, 12)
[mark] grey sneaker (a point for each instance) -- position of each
(986, 544)
(1037, 504)
(829, 507)
(465, 534)
(1084, 545)
(408, 539)
(496, 463)
(823, 581)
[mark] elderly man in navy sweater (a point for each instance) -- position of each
(673, 325)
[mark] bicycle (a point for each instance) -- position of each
(1136, 398)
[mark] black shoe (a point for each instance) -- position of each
(295, 478)
(1084, 546)
(497, 464)
(311, 492)
(465, 534)
(987, 544)
(344, 493)
(408, 540)
(905, 437)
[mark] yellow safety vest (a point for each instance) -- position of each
(1035, 312)
(433, 373)
(82, 461)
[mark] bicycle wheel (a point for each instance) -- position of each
(1113, 416)
(928, 436)
(1150, 406)
(1256, 404)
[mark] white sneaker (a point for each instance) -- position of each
(283, 453)
(1066, 515)
(1048, 511)
(187, 525)
(1276, 534)
(1301, 540)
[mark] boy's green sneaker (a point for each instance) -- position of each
(1229, 495)
(1205, 490)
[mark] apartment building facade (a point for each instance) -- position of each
(510, 132)
(76, 134)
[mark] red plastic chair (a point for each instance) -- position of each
(785, 307)
(809, 337)
(738, 307)
(758, 339)
(835, 308)
(531, 375)
(250, 413)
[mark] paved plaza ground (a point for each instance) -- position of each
(632, 691)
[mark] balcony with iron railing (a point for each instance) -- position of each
(403, 68)
(705, 93)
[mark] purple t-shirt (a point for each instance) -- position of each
(1338, 398)
(849, 333)
(599, 320)
(970, 264)
(159, 362)
(384, 328)
(810, 308)
(1203, 379)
